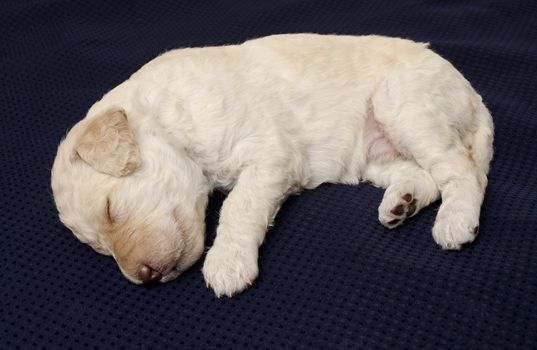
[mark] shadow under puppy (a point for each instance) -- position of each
(265, 119)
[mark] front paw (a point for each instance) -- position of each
(230, 268)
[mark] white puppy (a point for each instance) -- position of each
(264, 119)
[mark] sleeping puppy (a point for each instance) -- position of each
(263, 120)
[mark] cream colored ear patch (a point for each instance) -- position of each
(108, 144)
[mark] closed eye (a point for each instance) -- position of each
(108, 213)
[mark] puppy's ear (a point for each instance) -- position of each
(108, 144)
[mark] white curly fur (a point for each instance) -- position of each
(264, 119)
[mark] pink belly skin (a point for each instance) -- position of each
(377, 145)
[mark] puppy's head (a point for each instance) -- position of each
(130, 194)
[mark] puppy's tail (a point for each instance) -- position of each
(482, 139)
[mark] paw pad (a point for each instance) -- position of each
(411, 208)
(405, 207)
(398, 210)
(394, 222)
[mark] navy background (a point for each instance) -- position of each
(331, 275)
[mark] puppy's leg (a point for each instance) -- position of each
(438, 148)
(231, 263)
(461, 183)
(463, 187)
(409, 188)
(432, 119)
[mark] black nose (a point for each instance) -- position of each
(148, 275)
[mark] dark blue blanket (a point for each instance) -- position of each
(331, 276)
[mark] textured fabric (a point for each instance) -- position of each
(331, 276)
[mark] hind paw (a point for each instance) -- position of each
(395, 208)
(453, 231)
